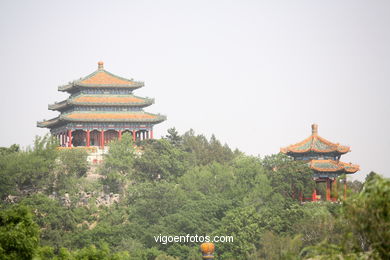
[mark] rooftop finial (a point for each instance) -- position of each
(207, 250)
(314, 129)
(100, 65)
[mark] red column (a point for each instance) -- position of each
(120, 135)
(70, 138)
(327, 189)
(314, 195)
(88, 138)
(134, 135)
(334, 189)
(151, 133)
(102, 138)
(345, 188)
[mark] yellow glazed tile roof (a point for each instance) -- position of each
(109, 116)
(86, 99)
(315, 143)
(104, 78)
(333, 166)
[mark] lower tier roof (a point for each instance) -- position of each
(103, 116)
(102, 100)
(333, 166)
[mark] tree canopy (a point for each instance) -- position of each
(53, 208)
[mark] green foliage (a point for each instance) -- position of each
(289, 178)
(203, 152)
(278, 247)
(160, 160)
(70, 166)
(323, 250)
(211, 179)
(184, 184)
(73, 162)
(326, 250)
(54, 220)
(46, 147)
(174, 138)
(369, 215)
(45, 252)
(155, 200)
(12, 149)
(361, 228)
(120, 157)
(27, 170)
(19, 235)
(353, 187)
(246, 227)
(370, 176)
(114, 181)
(314, 223)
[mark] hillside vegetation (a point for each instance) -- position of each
(55, 206)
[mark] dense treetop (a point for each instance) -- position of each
(178, 185)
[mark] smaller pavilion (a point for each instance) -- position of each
(323, 158)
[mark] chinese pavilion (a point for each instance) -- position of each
(323, 158)
(100, 108)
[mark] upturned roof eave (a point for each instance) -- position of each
(71, 102)
(63, 119)
(133, 120)
(158, 119)
(49, 123)
(315, 151)
(137, 84)
(70, 87)
(60, 107)
(143, 104)
(334, 167)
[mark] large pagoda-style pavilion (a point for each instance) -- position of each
(100, 108)
(323, 158)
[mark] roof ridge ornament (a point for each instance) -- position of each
(314, 129)
(100, 65)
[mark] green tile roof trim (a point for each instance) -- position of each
(333, 166)
(103, 116)
(103, 100)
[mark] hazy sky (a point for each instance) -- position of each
(257, 74)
